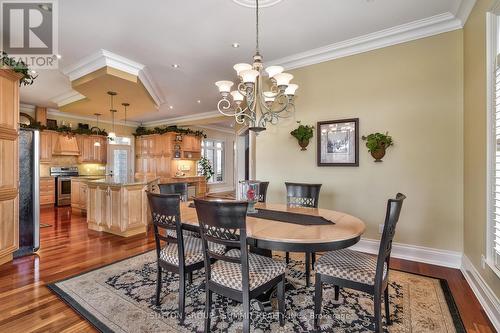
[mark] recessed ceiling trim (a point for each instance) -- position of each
(103, 58)
(56, 113)
(150, 85)
(183, 119)
(67, 98)
(400, 34)
(28, 108)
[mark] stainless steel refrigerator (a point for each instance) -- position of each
(29, 192)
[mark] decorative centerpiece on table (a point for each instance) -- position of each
(249, 192)
(303, 134)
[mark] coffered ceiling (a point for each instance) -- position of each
(198, 36)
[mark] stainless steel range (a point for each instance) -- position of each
(63, 183)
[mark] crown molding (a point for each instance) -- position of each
(181, 119)
(217, 128)
(464, 9)
(68, 97)
(400, 34)
(103, 58)
(28, 108)
(56, 113)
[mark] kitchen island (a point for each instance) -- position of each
(119, 205)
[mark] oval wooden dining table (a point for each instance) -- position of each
(266, 235)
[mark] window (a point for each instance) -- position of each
(213, 151)
(493, 144)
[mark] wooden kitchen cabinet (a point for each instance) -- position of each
(78, 195)
(47, 191)
(45, 146)
(191, 143)
(83, 196)
(154, 153)
(89, 153)
(9, 164)
(120, 209)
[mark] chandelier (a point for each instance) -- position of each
(251, 104)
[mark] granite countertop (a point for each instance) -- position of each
(123, 181)
(182, 177)
(89, 177)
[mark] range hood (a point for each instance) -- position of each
(66, 145)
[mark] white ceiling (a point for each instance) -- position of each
(197, 34)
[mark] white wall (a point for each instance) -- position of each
(414, 91)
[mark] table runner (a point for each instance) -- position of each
(287, 217)
(290, 217)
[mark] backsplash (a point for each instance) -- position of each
(57, 161)
(87, 169)
(91, 169)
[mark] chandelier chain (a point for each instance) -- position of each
(257, 26)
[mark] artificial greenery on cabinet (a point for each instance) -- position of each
(18, 66)
(141, 130)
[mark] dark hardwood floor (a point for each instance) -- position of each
(68, 248)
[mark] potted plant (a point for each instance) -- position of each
(377, 143)
(206, 169)
(303, 134)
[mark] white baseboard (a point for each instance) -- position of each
(423, 254)
(489, 301)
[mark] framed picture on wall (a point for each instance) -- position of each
(338, 142)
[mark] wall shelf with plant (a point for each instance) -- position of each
(303, 134)
(377, 143)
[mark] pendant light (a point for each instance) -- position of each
(112, 134)
(125, 105)
(97, 115)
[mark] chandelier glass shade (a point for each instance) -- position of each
(261, 97)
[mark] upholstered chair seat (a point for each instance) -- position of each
(260, 270)
(349, 265)
(193, 251)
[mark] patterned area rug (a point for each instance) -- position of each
(120, 298)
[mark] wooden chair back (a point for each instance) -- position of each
(165, 213)
(175, 188)
(391, 219)
(302, 195)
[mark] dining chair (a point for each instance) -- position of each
(182, 190)
(263, 191)
(175, 188)
(238, 274)
(181, 254)
(303, 195)
(356, 270)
